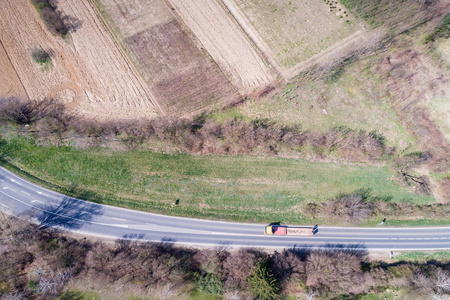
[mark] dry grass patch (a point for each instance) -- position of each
(348, 100)
(297, 30)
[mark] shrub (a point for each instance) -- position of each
(443, 28)
(41, 57)
(263, 283)
(210, 284)
(53, 19)
(352, 208)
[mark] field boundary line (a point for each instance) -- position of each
(130, 64)
(197, 42)
(267, 53)
(243, 63)
(252, 35)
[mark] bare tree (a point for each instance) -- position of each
(443, 281)
(310, 295)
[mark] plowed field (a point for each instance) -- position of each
(225, 41)
(88, 73)
(169, 57)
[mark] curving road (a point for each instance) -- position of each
(18, 196)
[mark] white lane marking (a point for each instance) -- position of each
(119, 219)
(8, 188)
(3, 205)
(37, 201)
(26, 193)
(2, 180)
(15, 181)
(41, 193)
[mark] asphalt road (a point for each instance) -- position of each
(18, 196)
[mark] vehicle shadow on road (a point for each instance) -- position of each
(69, 213)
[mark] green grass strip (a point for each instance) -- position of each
(239, 188)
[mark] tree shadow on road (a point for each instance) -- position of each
(69, 213)
(359, 250)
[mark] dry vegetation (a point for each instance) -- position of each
(412, 82)
(53, 19)
(297, 30)
(50, 124)
(44, 264)
(359, 206)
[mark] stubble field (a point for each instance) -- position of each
(87, 71)
(10, 85)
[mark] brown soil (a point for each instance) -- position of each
(88, 74)
(225, 42)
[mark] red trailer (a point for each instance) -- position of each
(286, 230)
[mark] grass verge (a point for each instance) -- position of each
(423, 257)
(239, 188)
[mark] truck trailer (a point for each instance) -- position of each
(287, 230)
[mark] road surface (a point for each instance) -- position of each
(18, 196)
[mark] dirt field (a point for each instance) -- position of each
(225, 41)
(10, 85)
(295, 31)
(168, 56)
(88, 72)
